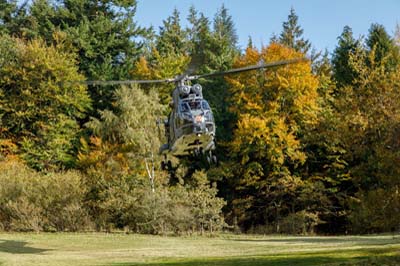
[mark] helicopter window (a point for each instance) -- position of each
(185, 107)
(205, 106)
(195, 105)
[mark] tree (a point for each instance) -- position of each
(168, 56)
(291, 35)
(369, 115)
(274, 111)
(6, 10)
(382, 45)
(343, 72)
(397, 35)
(39, 112)
(103, 34)
(12, 16)
(224, 27)
(172, 39)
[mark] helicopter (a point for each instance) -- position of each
(190, 128)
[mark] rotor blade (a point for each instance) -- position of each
(253, 67)
(117, 82)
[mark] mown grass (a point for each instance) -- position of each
(227, 250)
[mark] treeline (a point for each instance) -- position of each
(312, 147)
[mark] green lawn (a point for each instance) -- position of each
(129, 250)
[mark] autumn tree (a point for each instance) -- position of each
(39, 112)
(101, 33)
(369, 133)
(275, 109)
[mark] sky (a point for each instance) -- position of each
(321, 20)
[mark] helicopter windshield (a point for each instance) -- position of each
(195, 105)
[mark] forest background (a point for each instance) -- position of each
(307, 148)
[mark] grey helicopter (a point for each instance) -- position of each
(190, 128)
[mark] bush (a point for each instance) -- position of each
(376, 211)
(32, 201)
(130, 204)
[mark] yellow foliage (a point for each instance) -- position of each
(273, 107)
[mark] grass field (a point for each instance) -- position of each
(129, 250)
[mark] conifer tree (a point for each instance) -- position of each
(6, 10)
(382, 45)
(172, 39)
(292, 34)
(343, 71)
(397, 36)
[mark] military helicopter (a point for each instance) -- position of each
(190, 127)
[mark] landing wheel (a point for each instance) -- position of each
(214, 159)
(163, 166)
(208, 159)
(211, 158)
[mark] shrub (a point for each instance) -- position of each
(33, 201)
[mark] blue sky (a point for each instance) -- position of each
(321, 20)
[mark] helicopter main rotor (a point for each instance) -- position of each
(186, 77)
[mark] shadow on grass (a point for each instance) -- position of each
(277, 261)
(19, 247)
(331, 240)
(367, 257)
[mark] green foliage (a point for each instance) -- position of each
(31, 201)
(343, 72)
(12, 16)
(368, 115)
(291, 35)
(382, 45)
(101, 33)
(39, 112)
(122, 141)
(376, 210)
(120, 193)
(303, 148)
(172, 39)
(177, 209)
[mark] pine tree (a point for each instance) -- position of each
(343, 71)
(172, 39)
(397, 36)
(224, 27)
(291, 35)
(12, 16)
(382, 45)
(6, 10)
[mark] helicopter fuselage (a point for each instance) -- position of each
(190, 128)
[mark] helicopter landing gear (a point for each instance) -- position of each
(211, 158)
(166, 165)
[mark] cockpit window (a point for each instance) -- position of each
(205, 106)
(185, 107)
(195, 105)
